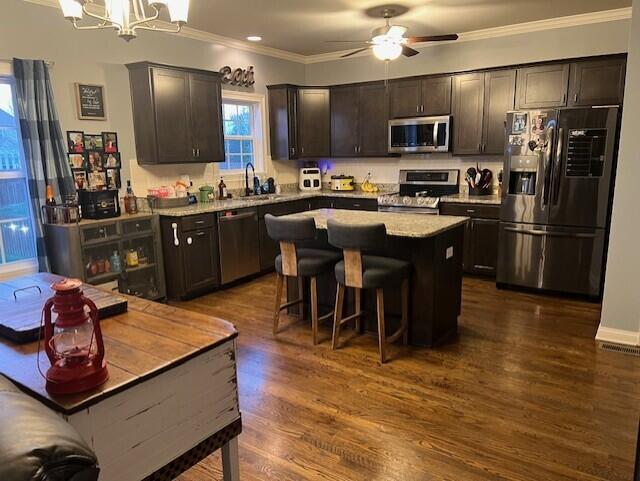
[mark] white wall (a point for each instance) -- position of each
(39, 32)
(620, 320)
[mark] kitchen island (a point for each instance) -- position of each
(432, 244)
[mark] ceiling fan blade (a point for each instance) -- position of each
(408, 51)
(355, 52)
(433, 38)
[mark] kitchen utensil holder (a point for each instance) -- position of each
(480, 190)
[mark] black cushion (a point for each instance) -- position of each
(287, 229)
(38, 445)
(312, 262)
(378, 271)
(362, 237)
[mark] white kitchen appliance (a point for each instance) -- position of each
(310, 179)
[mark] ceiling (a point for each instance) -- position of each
(303, 26)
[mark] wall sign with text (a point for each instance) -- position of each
(90, 102)
(239, 77)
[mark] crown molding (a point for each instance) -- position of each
(495, 32)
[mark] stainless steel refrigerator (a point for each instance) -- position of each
(558, 173)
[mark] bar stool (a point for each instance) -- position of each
(300, 262)
(368, 272)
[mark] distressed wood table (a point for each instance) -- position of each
(171, 398)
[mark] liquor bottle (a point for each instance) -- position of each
(222, 190)
(130, 200)
(50, 210)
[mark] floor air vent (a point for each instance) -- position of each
(633, 350)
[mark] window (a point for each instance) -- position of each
(17, 242)
(243, 131)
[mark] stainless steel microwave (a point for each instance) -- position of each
(420, 134)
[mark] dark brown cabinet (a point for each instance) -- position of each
(359, 120)
(480, 104)
(480, 254)
(177, 114)
(542, 86)
(191, 261)
(283, 122)
(314, 122)
(597, 82)
(416, 97)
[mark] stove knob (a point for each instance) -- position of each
(406, 200)
(422, 200)
(382, 199)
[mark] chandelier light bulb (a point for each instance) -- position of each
(71, 9)
(178, 11)
(387, 50)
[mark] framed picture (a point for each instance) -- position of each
(75, 141)
(90, 102)
(110, 141)
(95, 162)
(111, 161)
(97, 180)
(80, 179)
(77, 161)
(113, 179)
(93, 142)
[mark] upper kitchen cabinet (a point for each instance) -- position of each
(283, 101)
(597, 82)
(480, 104)
(177, 114)
(359, 120)
(542, 86)
(420, 97)
(314, 122)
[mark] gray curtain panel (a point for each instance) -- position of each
(44, 144)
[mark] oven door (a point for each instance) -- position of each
(422, 134)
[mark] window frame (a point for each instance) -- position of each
(259, 128)
(23, 266)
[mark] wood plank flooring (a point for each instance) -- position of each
(523, 394)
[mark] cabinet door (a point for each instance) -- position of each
(436, 96)
(598, 82)
(282, 122)
(355, 204)
(484, 235)
(499, 95)
(314, 123)
(542, 87)
(405, 98)
(200, 259)
(344, 121)
(173, 118)
(373, 120)
(468, 104)
(206, 118)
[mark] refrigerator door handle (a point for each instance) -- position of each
(557, 162)
(540, 232)
(547, 156)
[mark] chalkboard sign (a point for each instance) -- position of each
(90, 101)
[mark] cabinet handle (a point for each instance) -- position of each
(470, 211)
(575, 97)
(176, 241)
(480, 147)
(564, 99)
(355, 149)
(302, 149)
(199, 222)
(197, 152)
(193, 152)
(422, 108)
(189, 240)
(201, 233)
(293, 151)
(418, 108)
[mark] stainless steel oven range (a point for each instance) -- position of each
(420, 191)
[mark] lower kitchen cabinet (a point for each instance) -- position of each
(190, 246)
(350, 203)
(480, 254)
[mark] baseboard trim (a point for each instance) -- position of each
(618, 336)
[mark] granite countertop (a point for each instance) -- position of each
(465, 198)
(397, 224)
(253, 201)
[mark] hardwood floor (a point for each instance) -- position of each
(523, 394)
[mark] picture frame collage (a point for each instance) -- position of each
(94, 160)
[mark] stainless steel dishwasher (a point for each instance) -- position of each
(238, 244)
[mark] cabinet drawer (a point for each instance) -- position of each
(284, 208)
(140, 226)
(100, 233)
(471, 210)
(201, 221)
(355, 204)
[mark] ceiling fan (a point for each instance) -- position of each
(388, 42)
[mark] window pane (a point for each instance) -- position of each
(232, 146)
(9, 139)
(237, 119)
(234, 161)
(16, 233)
(247, 146)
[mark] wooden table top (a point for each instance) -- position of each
(149, 339)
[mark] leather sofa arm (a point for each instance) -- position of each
(38, 445)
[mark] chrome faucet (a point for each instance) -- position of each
(247, 190)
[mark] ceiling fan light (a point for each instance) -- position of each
(387, 50)
(71, 9)
(178, 11)
(396, 31)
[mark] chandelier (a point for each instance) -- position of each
(126, 16)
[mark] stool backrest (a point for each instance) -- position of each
(353, 239)
(287, 231)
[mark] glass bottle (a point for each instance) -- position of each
(50, 210)
(130, 200)
(222, 190)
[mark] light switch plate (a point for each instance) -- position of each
(449, 253)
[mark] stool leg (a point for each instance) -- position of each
(405, 311)
(359, 326)
(337, 316)
(301, 296)
(276, 313)
(314, 310)
(382, 335)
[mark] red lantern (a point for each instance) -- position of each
(74, 346)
